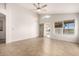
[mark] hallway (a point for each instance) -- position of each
(39, 47)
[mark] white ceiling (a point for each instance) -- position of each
(54, 8)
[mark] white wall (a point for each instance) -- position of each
(61, 17)
(21, 23)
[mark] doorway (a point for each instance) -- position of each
(2, 28)
(41, 30)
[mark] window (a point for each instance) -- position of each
(69, 26)
(58, 25)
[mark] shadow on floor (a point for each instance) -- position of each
(2, 41)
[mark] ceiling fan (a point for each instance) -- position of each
(39, 6)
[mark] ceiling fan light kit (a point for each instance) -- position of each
(38, 10)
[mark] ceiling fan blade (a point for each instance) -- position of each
(35, 5)
(43, 6)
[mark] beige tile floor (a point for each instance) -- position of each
(39, 47)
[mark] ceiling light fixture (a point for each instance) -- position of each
(38, 10)
(46, 16)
